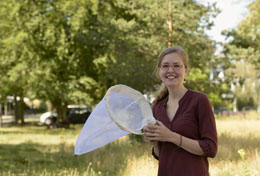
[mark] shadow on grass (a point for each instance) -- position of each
(34, 159)
(36, 129)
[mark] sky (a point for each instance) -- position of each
(232, 13)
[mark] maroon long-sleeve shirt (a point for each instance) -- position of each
(194, 119)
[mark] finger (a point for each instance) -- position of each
(150, 125)
(150, 128)
(159, 123)
(154, 139)
(150, 135)
(157, 131)
(145, 129)
(147, 139)
(147, 126)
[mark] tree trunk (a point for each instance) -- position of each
(62, 115)
(1, 118)
(49, 106)
(16, 109)
(21, 110)
(235, 104)
(5, 109)
(258, 103)
(170, 23)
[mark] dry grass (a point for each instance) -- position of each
(34, 150)
(237, 134)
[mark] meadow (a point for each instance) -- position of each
(36, 150)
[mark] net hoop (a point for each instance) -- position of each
(130, 92)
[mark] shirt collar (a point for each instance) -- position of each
(164, 101)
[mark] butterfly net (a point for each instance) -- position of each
(128, 108)
(123, 110)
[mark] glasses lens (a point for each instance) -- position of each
(174, 66)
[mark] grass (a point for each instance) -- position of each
(239, 147)
(35, 150)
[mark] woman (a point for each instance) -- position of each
(185, 133)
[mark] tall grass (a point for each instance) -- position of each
(239, 147)
(35, 150)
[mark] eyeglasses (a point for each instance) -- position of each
(166, 67)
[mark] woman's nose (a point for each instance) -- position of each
(171, 68)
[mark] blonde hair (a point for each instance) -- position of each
(163, 91)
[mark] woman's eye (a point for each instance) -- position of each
(165, 66)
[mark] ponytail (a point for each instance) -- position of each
(160, 94)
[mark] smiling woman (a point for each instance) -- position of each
(185, 133)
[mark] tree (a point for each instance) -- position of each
(14, 68)
(146, 33)
(38, 53)
(72, 51)
(244, 47)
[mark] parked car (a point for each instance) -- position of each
(75, 114)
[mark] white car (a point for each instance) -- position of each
(48, 118)
(75, 114)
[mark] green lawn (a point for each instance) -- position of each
(35, 150)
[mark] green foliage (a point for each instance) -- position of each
(70, 52)
(243, 50)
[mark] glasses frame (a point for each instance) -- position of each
(175, 66)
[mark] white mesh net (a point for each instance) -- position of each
(128, 108)
(121, 111)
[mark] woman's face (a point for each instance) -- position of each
(172, 70)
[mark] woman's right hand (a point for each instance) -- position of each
(148, 134)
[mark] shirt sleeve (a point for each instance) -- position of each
(207, 127)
